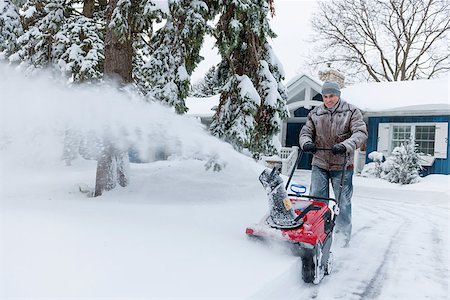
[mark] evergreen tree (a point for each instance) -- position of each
(166, 69)
(42, 20)
(176, 52)
(78, 49)
(273, 109)
(142, 49)
(10, 28)
(112, 164)
(403, 165)
(242, 39)
(210, 85)
(234, 121)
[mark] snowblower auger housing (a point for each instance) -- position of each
(304, 222)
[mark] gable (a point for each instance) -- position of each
(303, 91)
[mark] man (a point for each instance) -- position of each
(339, 126)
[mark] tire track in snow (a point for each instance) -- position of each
(373, 288)
(441, 272)
(424, 223)
(413, 207)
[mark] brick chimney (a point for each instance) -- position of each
(330, 74)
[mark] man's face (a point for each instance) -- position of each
(330, 100)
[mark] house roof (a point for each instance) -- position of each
(415, 96)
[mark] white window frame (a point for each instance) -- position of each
(413, 132)
(385, 136)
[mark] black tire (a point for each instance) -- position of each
(308, 268)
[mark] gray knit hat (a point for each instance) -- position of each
(331, 87)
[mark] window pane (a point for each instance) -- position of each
(424, 137)
(400, 135)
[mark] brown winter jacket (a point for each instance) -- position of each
(325, 128)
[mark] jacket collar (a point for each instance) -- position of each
(338, 108)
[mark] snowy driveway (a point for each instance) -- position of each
(177, 232)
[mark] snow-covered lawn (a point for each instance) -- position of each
(178, 232)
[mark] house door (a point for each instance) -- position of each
(293, 132)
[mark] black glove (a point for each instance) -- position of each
(339, 149)
(309, 147)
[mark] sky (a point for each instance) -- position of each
(292, 25)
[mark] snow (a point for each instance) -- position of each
(376, 156)
(247, 89)
(379, 96)
(182, 73)
(201, 107)
(270, 85)
(178, 231)
(162, 5)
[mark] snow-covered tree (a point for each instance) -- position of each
(10, 28)
(273, 108)
(78, 49)
(166, 69)
(112, 163)
(242, 35)
(176, 52)
(42, 20)
(126, 20)
(211, 84)
(403, 165)
(234, 120)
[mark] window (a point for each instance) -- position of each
(431, 138)
(423, 137)
(400, 135)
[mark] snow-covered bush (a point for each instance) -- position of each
(403, 165)
(373, 169)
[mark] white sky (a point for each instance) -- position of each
(292, 25)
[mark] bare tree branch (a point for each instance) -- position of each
(384, 40)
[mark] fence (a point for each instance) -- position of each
(286, 159)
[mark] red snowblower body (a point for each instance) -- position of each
(304, 222)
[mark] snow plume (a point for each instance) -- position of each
(37, 117)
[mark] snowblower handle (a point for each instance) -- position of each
(299, 157)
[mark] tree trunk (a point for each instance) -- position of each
(112, 166)
(118, 52)
(88, 8)
(106, 171)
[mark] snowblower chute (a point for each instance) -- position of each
(305, 222)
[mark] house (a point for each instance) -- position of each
(393, 111)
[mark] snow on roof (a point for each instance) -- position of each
(399, 97)
(202, 107)
(415, 95)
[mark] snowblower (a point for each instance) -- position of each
(304, 222)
